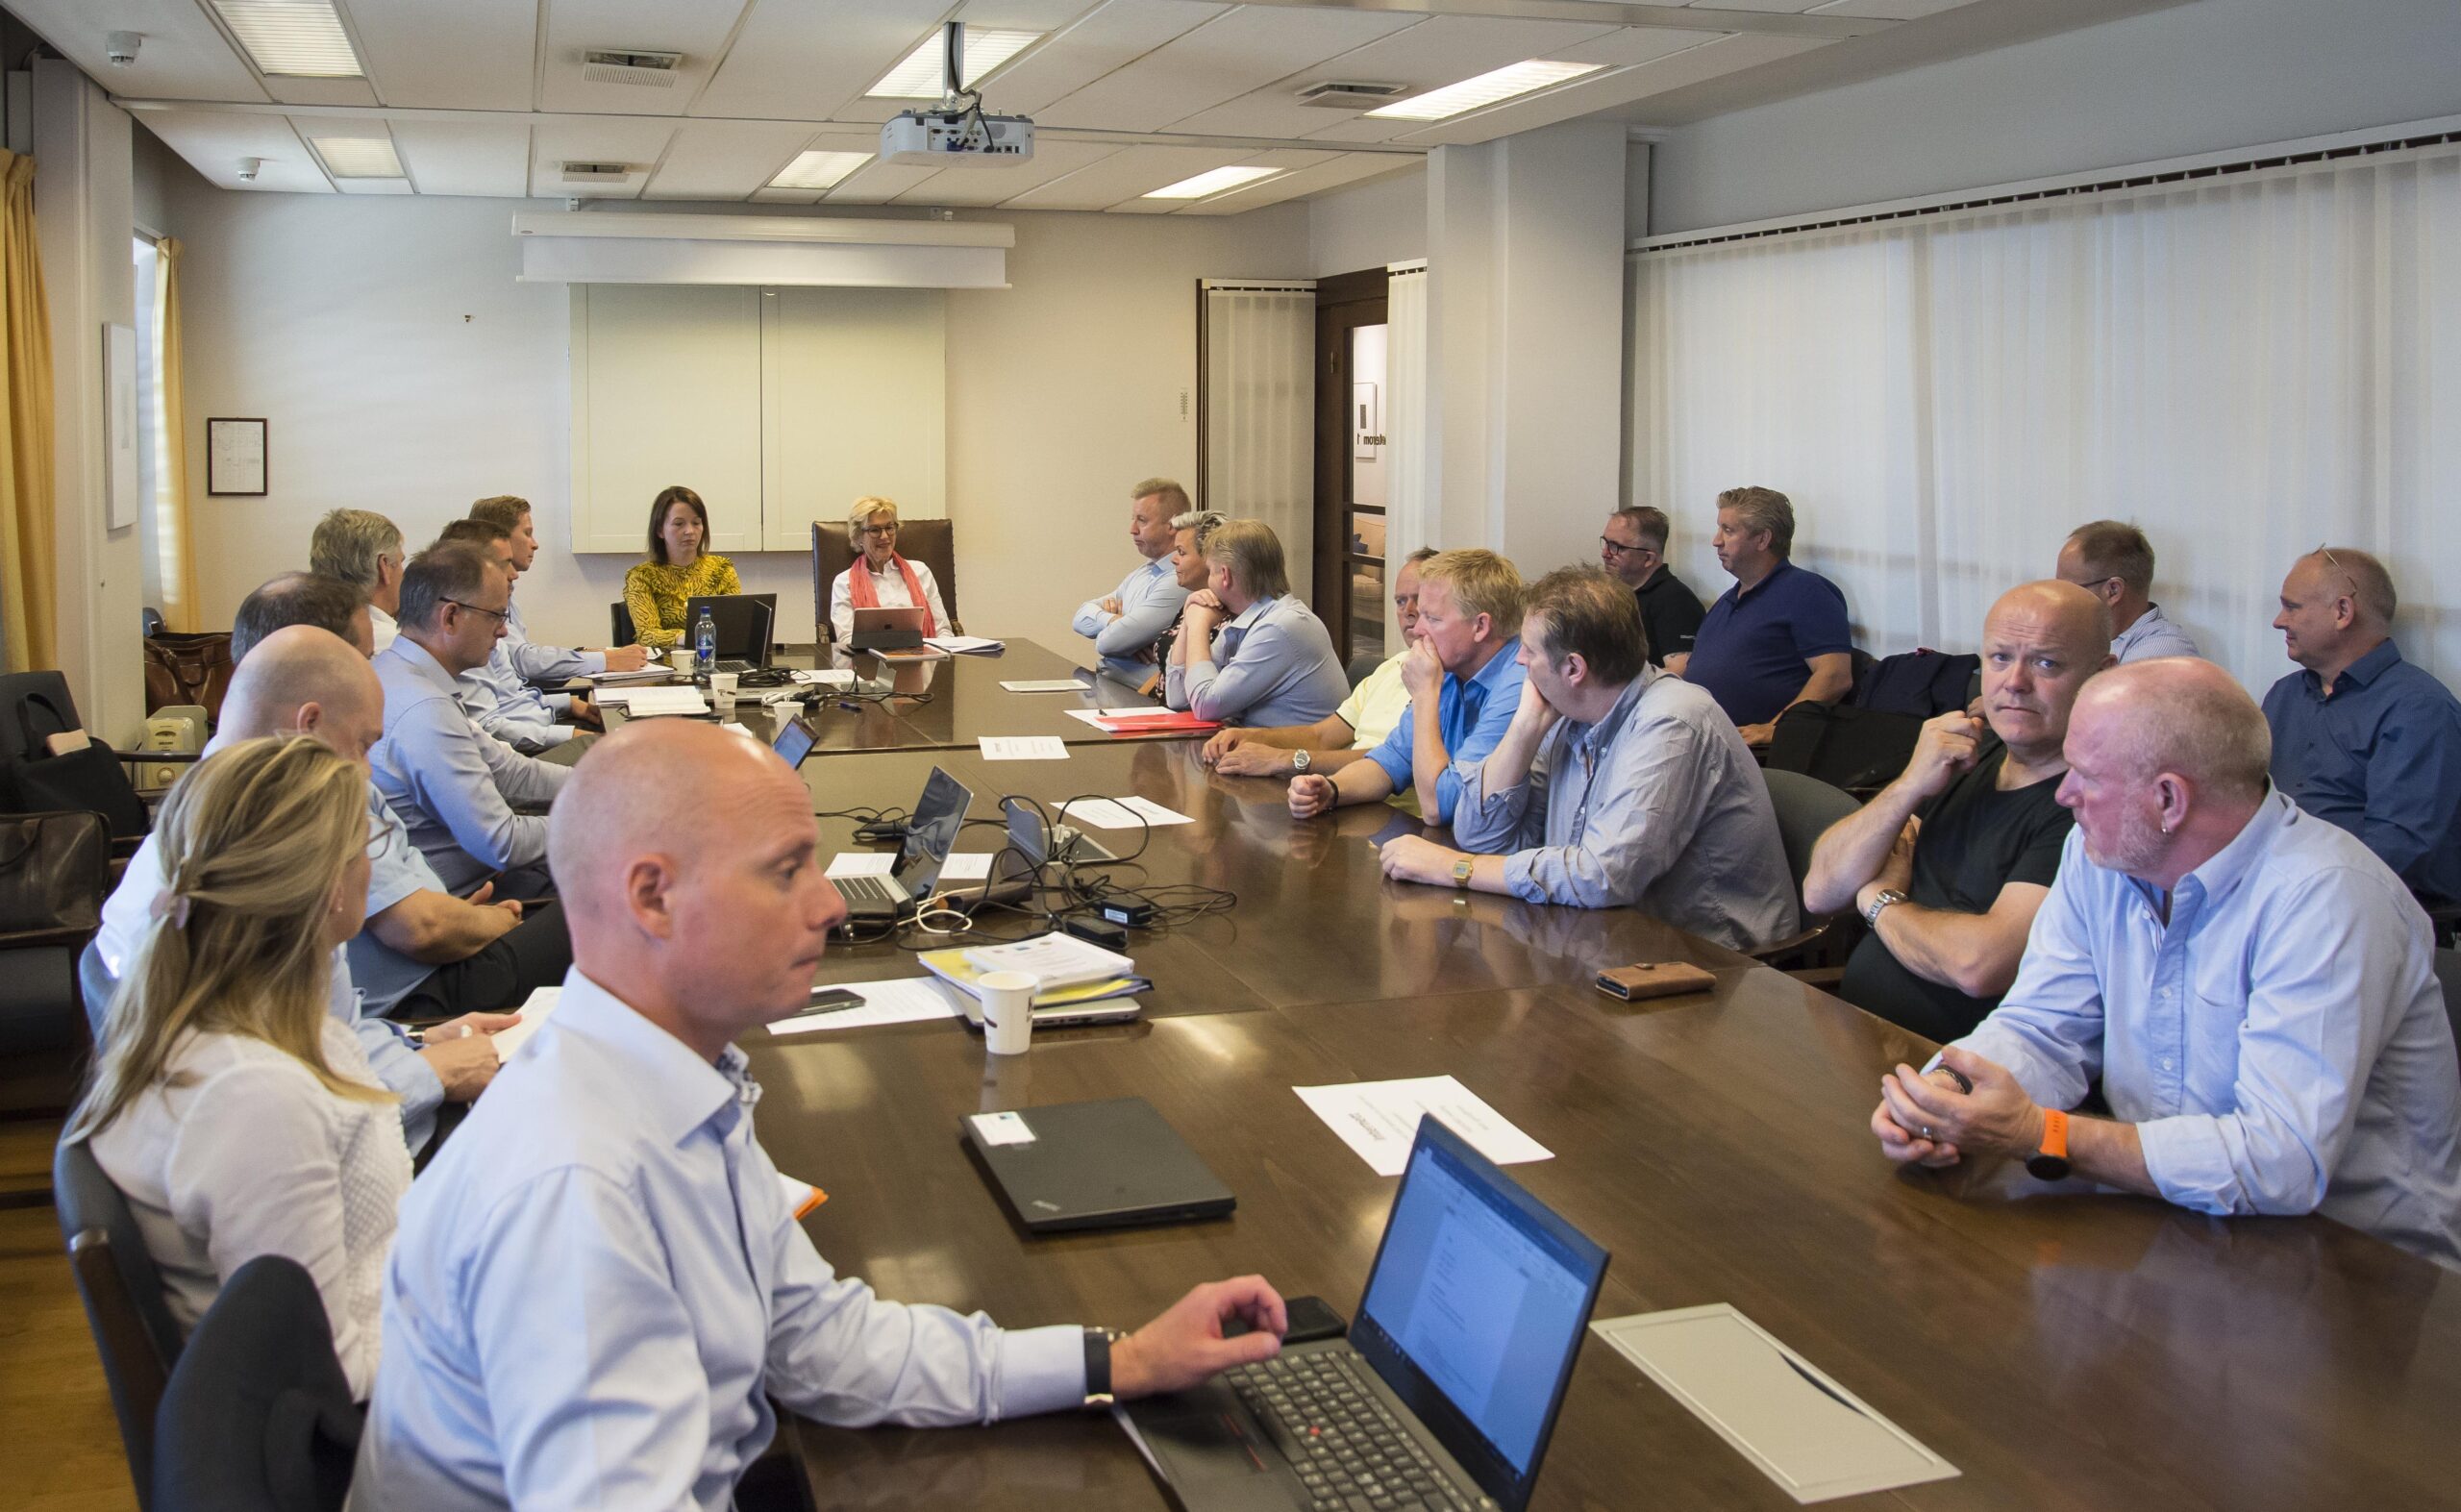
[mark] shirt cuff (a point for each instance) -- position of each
(1041, 1369)
(1517, 877)
(2190, 1165)
(593, 662)
(1396, 769)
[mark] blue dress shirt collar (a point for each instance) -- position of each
(686, 1091)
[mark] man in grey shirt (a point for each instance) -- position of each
(1249, 652)
(2114, 562)
(457, 789)
(1616, 784)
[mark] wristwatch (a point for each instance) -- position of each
(1300, 763)
(2049, 1164)
(1886, 896)
(1097, 1366)
(1461, 870)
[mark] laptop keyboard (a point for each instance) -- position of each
(1350, 1453)
(736, 666)
(871, 890)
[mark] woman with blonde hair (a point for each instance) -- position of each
(236, 1113)
(881, 579)
(679, 570)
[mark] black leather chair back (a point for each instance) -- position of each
(258, 1417)
(931, 542)
(124, 1305)
(619, 615)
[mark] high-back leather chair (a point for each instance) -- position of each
(931, 542)
(258, 1417)
(122, 1289)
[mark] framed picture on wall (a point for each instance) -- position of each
(234, 456)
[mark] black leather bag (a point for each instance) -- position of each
(55, 870)
(89, 777)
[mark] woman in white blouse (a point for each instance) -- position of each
(881, 578)
(237, 1114)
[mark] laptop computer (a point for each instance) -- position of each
(930, 834)
(1447, 1387)
(1029, 837)
(1112, 1164)
(742, 621)
(886, 630)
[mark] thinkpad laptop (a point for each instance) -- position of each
(742, 622)
(939, 815)
(1447, 1389)
(1112, 1164)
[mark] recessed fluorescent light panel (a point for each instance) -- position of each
(359, 157)
(917, 76)
(1488, 89)
(1207, 184)
(291, 38)
(818, 170)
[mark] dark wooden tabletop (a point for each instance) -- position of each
(2064, 1349)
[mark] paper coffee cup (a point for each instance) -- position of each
(1007, 1011)
(722, 683)
(680, 658)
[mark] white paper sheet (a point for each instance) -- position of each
(907, 1000)
(823, 677)
(966, 866)
(1122, 813)
(1096, 716)
(964, 645)
(1380, 1119)
(1044, 685)
(534, 1012)
(644, 703)
(1023, 748)
(862, 863)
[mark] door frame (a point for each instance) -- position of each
(1344, 302)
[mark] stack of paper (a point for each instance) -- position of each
(1057, 960)
(533, 1013)
(966, 645)
(1143, 721)
(959, 969)
(655, 672)
(644, 703)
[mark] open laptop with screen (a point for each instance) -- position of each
(930, 834)
(742, 621)
(1452, 1376)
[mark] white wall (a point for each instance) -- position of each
(402, 370)
(1379, 222)
(2196, 78)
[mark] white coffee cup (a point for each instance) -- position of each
(680, 658)
(722, 690)
(1008, 1010)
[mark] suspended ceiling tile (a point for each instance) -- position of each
(697, 29)
(807, 62)
(879, 183)
(322, 91)
(184, 57)
(997, 185)
(373, 185)
(214, 142)
(1024, 15)
(1226, 58)
(1889, 9)
(1350, 167)
(1110, 37)
(484, 159)
(1440, 51)
(1777, 7)
(636, 145)
(1288, 161)
(785, 197)
(1124, 175)
(1639, 45)
(729, 159)
(1621, 86)
(487, 66)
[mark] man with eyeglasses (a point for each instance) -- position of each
(457, 789)
(2113, 561)
(1633, 548)
(2361, 738)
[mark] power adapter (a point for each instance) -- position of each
(1125, 911)
(1109, 936)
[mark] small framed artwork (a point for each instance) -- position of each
(234, 456)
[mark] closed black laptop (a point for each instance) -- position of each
(1093, 1165)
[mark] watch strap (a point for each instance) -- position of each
(1098, 1367)
(1879, 903)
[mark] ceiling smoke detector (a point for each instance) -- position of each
(1349, 94)
(623, 65)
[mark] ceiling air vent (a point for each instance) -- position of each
(616, 66)
(1349, 94)
(597, 172)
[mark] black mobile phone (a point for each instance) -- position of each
(829, 1000)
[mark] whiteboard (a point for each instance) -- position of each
(666, 389)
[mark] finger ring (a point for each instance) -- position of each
(1926, 1131)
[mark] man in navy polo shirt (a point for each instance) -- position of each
(2362, 739)
(1777, 638)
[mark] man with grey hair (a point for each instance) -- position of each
(1633, 548)
(1250, 651)
(363, 549)
(301, 598)
(2254, 989)
(1125, 626)
(457, 788)
(2361, 738)
(1779, 637)
(2113, 561)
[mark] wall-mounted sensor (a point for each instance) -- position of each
(248, 167)
(120, 47)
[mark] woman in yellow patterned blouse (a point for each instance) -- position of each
(657, 590)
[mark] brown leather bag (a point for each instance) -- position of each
(187, 668)
(55, 869)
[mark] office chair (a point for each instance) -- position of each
(258, 1415)
(1806, 807)
(619, 615)
(122, 1291)
(931, 542)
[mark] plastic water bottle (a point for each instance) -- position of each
(705, 643)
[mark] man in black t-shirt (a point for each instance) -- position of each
(1949, 861)
(1633, 548)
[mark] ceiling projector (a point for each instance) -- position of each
(956, 134)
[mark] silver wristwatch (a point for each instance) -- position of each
(1885, 897)
(1300, 763)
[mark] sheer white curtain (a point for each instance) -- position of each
(2244, 366)
(1408, 519)
(1261, 412)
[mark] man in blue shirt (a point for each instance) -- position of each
(599, 1287)
(1779, 637)
(2112, 560)
(1249, 651)
(2361, 738)
(1125, 626)
(1464, 677)
(2254, 991)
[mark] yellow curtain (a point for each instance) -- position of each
(174, 543)
(28, 597)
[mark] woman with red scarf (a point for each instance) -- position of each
(881, 579)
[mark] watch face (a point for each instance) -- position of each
(2047, 1168)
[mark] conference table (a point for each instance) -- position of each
(2062, 1348)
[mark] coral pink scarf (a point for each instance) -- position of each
(858, 588)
